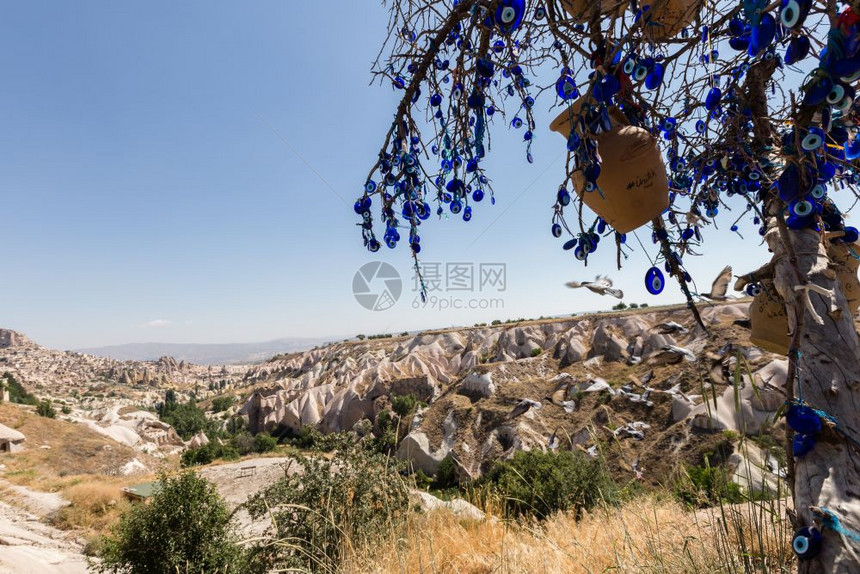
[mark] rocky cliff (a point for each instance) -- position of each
(649, 388)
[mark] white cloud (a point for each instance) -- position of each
(157, 323)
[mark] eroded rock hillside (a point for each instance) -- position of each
(648, 389)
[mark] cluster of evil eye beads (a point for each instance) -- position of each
(829, 144)
(403, 187)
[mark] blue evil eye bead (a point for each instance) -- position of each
(491, 110)
(816, 87)
(485, 67)
(737, 27)
(762, 34)
(806, 542)
(629, 65)
(795, 223)
(669, 124)
(456, 207)
(655, 77)
(566, 88)
(818, 191)
(580, 253)
(792, 13)
(753, 289)
(478, 195)
(801, 208)
(563, 196)
(556, 230)
(654, 281)
(467, 213)
(540, 13)
(509, 15)
(570, 244)
(701, 127)
(370, 186)
(475, 101)
(373, 245)
(640, 73)
(712, 100)
(802, 444)
(852, 149)
(601, 226)
(851, 235)
(687, 234)
(813, 139)
(516, 123)
(798, 49)
(740, 43)
(802, 419)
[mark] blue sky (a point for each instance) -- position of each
(185, 172)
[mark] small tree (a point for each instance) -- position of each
(185, 528)
(46, 409)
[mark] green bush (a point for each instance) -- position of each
(703, 486)
(536, 351)
(184, 528)
(17, 393)
(345, 501)
(67, 410)
(446, 475)
(403, 405)
(221, 404)
(208, 453)
(539, 483)
(265, 443)
(187, 419)
(46, 409)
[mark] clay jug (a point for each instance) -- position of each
(769, 321)
(633, 185)
(582, 10)
(665, 18)
(846, 265)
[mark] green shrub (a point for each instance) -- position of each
(403, 405)
(17, 393)
(539, 483)
(208, 453)
(221, 404)
(184, 528)
(348, 500)
(66, 410)
(446, 475)
(703, 486)
(46, 409)
(536, 351)
(187, 419)
(265, 443)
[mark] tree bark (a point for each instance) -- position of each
(828, 378)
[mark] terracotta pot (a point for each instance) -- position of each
(846, 266)
(769, 321)
(582, 10)
(668, 17)
(632, 178)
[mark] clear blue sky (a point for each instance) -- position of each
(145, 198)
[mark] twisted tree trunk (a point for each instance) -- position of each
(827, 368)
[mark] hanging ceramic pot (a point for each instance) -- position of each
(663, 19)
(769, 321)
(582, 10)
(633, 187)
(846, 265)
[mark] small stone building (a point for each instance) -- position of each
(10, 439)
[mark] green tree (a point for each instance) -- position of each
(46, 409)
(334, 504)
(187, 419)
(221, 404)
(540, 483)
(17, 393)
(185, 528)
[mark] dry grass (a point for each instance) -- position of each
(57, 452)
(646, 535)
(95, 505)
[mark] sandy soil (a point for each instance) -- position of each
(28, 545)
(239, 480)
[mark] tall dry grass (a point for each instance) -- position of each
(647, 535)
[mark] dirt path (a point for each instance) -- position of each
(27, 546)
